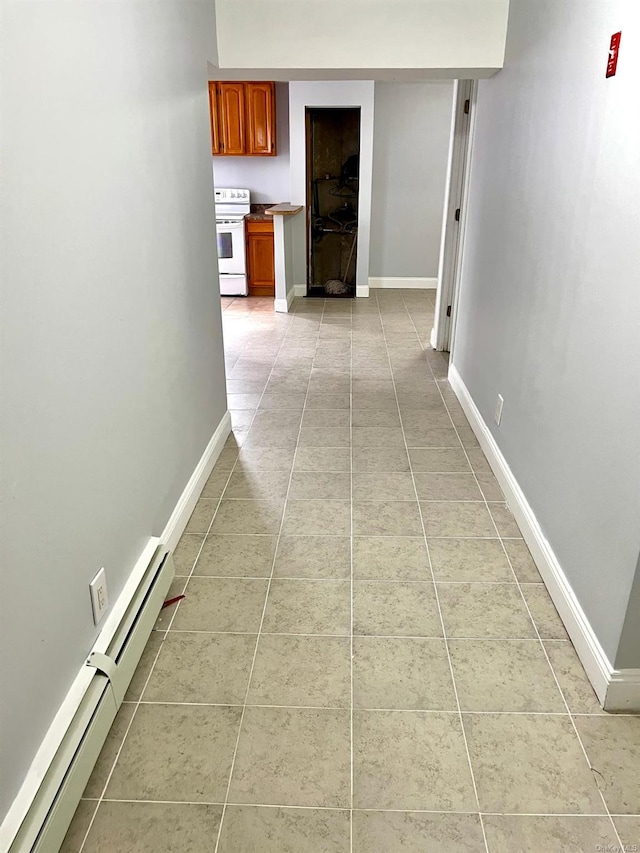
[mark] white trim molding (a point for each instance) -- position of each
(617, 690)
(362, 290)
(282, 306)
(181, 514)
(299, 289)
(403, 282)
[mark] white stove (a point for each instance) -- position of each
(232, 205)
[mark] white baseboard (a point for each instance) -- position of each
(623, 693)
(406, 283)
(282, 306)
(299, 289)
(432, 338)
(174, 528)
(362, 290)
(617, 690)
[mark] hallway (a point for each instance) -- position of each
(366, 660)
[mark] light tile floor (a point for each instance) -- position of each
(366, 660)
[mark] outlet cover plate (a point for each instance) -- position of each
(99, 596)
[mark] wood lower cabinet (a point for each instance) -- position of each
(243, 119)
(261, 275)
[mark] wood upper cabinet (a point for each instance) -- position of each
(213, 112)
(261, 113)
(261, 274)
(231, 118)
(243, 119)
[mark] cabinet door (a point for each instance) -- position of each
(231, 118)
(213, 111)
(261, 118)
(261, 266)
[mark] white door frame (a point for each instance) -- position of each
(453, 226)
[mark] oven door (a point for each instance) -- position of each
(231, 256)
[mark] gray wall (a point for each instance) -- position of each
(113, 378)
(266, 177)
(550, 301)
(410, 146)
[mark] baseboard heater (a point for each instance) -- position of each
(111, 667)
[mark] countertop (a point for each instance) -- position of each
(258, 213)
(285, 209)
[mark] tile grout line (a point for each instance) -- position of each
(437, 597)
(394, 811)
(264, 610)
(533, 621)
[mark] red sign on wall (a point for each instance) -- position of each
(614, 47)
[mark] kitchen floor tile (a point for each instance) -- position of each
(416, 832)
(221, 604)
(439, 460)
(187, 549)
(522, 561)
(383, 487)
(258, 485)
(202, 668)
(316, 485)
(311, 436)
(266, 459)
(244, 516)
(332, 459)
(484, 610)
(544, 613)
(395, 609)
(386, 518)
(407, 674)
(236, 556)
(293, 756)
(390, 558)
(273, 830)
(504, 520)
(461, 560)
(178, 753)
(613, 746)
(386, 459)
(302, 671)
(506, 833)
(572, 678)
(215, 485)
(313, 557)
(450, 518)
(530, 763)
(420, 756)
(317, 517)
(308, 607)
(201, 516)
(151, 827)
(629, 830)
(504, 675)
(447, 487)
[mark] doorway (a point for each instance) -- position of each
(454, 215)
(333, 167)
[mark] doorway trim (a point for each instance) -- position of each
(455, 214)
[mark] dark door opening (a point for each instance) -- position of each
(333, 154)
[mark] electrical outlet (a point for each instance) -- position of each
(497, 415)
(99, 596)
